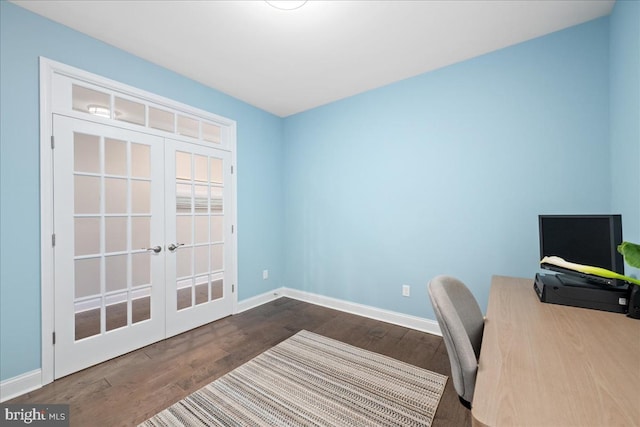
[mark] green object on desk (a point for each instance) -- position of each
(631, 253)
(588, 269)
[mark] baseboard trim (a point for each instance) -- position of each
(258, 300)
(400, 319)
(16, 386)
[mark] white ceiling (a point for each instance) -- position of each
(286, 62)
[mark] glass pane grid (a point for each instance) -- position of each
(107, 263)
(185, 260)
(200, 227)
(124, 108)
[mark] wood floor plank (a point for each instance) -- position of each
(131, 388)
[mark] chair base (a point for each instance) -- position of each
(464, 402)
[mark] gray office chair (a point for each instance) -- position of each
(462, 324)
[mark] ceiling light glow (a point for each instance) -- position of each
(100, 111)
(286, 4)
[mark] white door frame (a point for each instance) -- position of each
(48, 105)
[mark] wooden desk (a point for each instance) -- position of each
(552, 365)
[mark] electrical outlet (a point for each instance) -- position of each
(406, 290)
(265, 274)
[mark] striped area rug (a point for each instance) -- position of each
(311, 380)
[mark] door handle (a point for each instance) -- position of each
(155, 249)
(172, 247)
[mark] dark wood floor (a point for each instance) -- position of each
(131, 388)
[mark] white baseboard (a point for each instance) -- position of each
(257, 300)
(16, 386)
(400, 319)
(412, 322)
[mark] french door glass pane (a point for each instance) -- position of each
(140, 197)
(201, 259)
(202, 289)
(86, 153)
(140, 161)
(201, 198)
(115, 191)
(115, 153)
(87, 274)
(140, 269)
(86, 194)
(201, 168)
(216, 199)
(184, 294)
(115, 234)
(184, 262)
(183, 198)
(183, 166)
(141, 308)
(87, 235)
(112, 226)
(217, 288)
(87, 322)
(217, 261)
(216, 228)
(216, 171)
(116, 272)
(183, 229)
(140, 232)
(200, 228)
(116, 312)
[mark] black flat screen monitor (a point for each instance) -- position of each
(583, 239)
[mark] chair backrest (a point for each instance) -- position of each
(462, 324)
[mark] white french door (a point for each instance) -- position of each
(198, 199)
(142, 240)
(109, 234)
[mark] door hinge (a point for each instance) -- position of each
(53, 239)
(233, 288)
(54, 338)
(231, 169)
(232, 228)
(53, 142)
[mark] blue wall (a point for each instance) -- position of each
(23, 37)
(447, 172)
(442, 173)
(625, 117)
